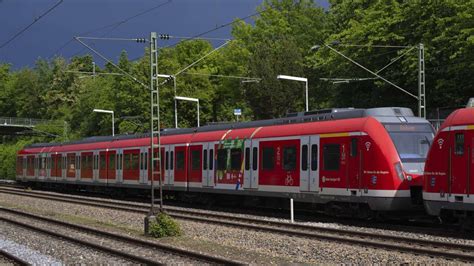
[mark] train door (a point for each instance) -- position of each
(63, 166)
(195, 165)
(250, 164)
(78, 166)
(95, 166)
(143, 165)
(111, 171)
(180, 166)
(208, 165)
(169, 164)
(119, 166)
(470, 163)
(36, 166)
(42, 166)
(309, 167)
(24, 168)
(353, 164)
(103, 166)
(459, 163)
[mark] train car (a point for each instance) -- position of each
(448, 189)
(347, 161)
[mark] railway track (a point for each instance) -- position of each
(127, 242)
(463, 252)
(7, 258)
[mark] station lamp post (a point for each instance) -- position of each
(305, 80)
(108, 112)
(190, 100)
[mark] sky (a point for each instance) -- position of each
(52, 34)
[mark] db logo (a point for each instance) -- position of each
(367, 145)
(440, 143)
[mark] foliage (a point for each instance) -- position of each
(279, 41)
(164, 226)
(8, 153)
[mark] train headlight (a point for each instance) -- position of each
(409, 177)
(399, 169)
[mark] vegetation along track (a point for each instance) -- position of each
(464, 252)
(122, 239)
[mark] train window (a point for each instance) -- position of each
(112, 162)
(289, 158)
(304, 158)
(167, 160)
(195, 160)
(247, 159)
(459, 149)
(127, 161)
(268, 159)
(141, 161)
(204, 161)
(102, 162)
(353, 147)
(145, 161)
(180, 160)
(211, 159)
(221, 159)
(314, 157)
(332, 157)
(235, 159)
(135, 161)
(255, 159)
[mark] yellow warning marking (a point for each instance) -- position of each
(470, 127)
(334, 135)
(228, 131)
(255, 132)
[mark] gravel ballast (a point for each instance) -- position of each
(40, 249)
(240, 244)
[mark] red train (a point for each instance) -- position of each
(349, 160)
(448, 189)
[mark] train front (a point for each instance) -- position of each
(412, 137)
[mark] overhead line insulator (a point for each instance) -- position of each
(141, 40)
(164, 36)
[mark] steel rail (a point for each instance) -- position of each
(15, 259)
(119, 237)
(428, 247)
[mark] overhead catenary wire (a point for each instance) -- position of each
(112, 63)
(195, 37)
(31, 24)
(115, 25)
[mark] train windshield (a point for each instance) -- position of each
(411, 140)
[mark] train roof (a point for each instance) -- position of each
(460, 117)
(382, 114)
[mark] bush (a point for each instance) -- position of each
(164, 226)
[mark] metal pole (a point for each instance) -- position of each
(152, 80)
(113, 124)
(421, 82)
(198, 111)
(93, 69)
(175, 104)
(292, 214)
(307, 96)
